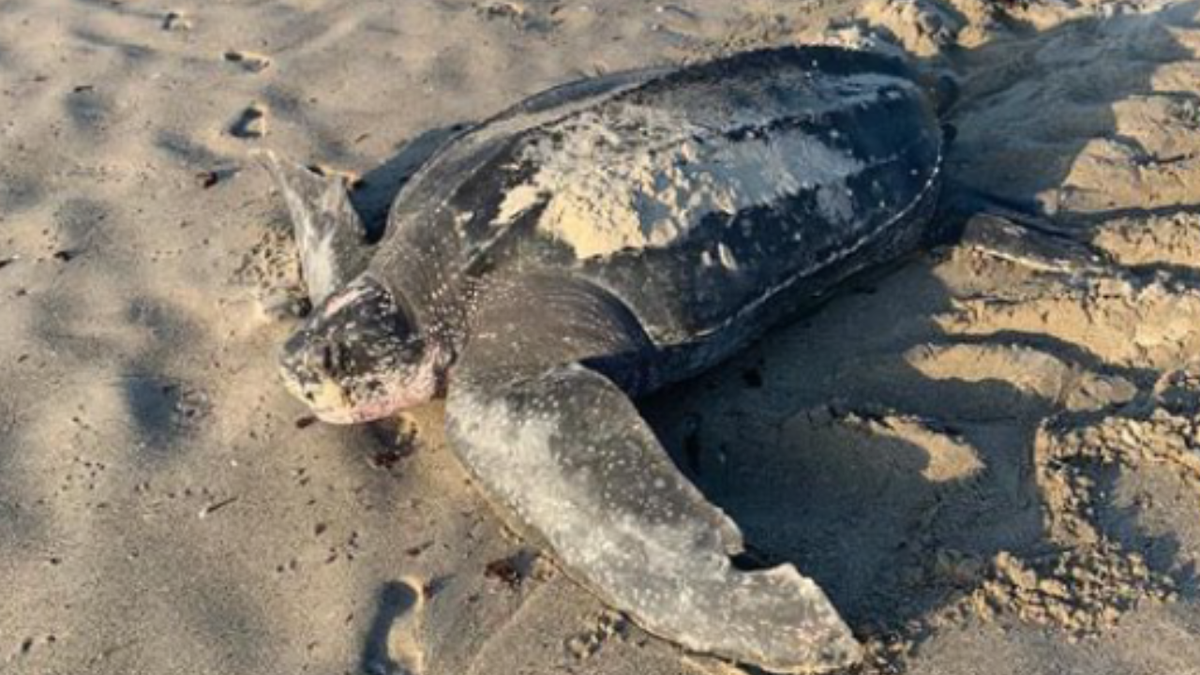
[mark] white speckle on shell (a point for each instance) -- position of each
(727, 260)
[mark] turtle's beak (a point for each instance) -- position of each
(325, 398)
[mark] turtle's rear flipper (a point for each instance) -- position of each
(563, 451)
(1013, 230)
(1034, 243)
(329, 234)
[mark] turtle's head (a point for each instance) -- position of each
(359, 357)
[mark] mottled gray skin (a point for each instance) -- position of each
(539, 350)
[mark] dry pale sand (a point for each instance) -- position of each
(990, 465)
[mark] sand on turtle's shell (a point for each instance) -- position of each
(602, 192)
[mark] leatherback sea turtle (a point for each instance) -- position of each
(594, 243)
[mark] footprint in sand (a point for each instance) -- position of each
(248, 61)
(392, 646)
(30, 643)
(516, 13)
(252, 123)
(176, 22)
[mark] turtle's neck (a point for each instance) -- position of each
(439, 303)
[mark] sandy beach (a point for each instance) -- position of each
(992, 465)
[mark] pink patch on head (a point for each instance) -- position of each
(337, 302)
(418, 389)
(376, 410)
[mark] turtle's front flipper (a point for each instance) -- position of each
(331, 237)
(562, 449)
